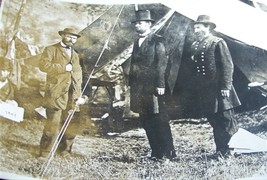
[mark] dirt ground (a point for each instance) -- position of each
(20, 141)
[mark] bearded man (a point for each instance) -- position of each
(212, 92)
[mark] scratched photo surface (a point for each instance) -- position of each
(110, 141)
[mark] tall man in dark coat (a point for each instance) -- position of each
(63, 87)
(211, 89)
(147, 86)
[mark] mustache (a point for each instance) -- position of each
(69, 43)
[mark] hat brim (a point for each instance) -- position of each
(151, 20)
(63, 32)
(212, 25)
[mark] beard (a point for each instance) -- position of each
(140, 31)
(68, 44)
(199, 36)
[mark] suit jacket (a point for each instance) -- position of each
(62, 86)
(147, 72)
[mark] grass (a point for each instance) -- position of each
(124, 157)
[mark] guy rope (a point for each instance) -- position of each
(71, 112)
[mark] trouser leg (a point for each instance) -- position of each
(165, 136)
(224, 127)
(72, 130)
(51, 130)
(150, 123)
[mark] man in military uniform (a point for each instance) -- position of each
(211, 79)
(63, 88)
(147, 86)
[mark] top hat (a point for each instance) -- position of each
(69, 31)
(5, 64)
(205, 19)
(142, 15)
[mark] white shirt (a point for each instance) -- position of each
(141, 40)
(142, 37)
(67, 49)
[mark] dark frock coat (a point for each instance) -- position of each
(147, 72)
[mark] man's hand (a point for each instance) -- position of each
(68, 67)
(225, 93)
(81, 100)
(255, 84)
(160, 91)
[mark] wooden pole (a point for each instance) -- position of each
(19, 15)
(136, 7)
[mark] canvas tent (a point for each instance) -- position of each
(239, 24)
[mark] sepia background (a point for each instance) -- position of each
(111, 144)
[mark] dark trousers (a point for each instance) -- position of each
(224, 127)
(55, 120)
(158, 133)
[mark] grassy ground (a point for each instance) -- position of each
(124, 156)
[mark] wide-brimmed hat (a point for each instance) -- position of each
(69, 31)
(205, 19)
(143, 15)
(5, 64)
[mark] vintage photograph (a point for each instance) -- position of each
(133, 90)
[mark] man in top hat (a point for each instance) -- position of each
(212, 92)
(63, 88)
(7, 88)
(147, 86)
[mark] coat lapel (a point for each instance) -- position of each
(63, 52)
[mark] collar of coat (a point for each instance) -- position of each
(148, 37)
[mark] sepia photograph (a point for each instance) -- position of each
(140, 90)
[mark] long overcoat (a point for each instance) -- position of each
(147, 72)
(211, 70)
(60, 82)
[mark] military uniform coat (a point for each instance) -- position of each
(147, 72)
(211, 69)
(60, 82)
